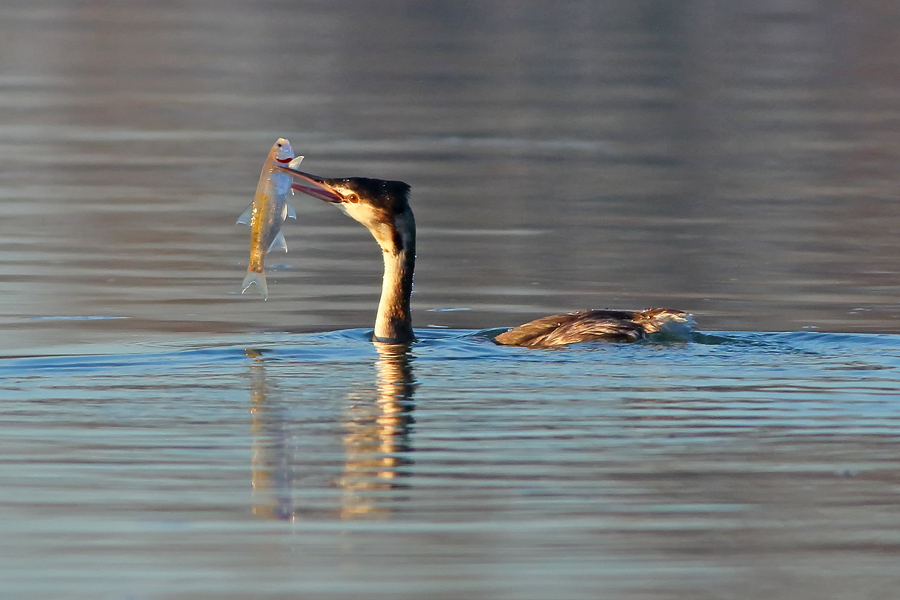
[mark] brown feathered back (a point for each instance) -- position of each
(591, 325)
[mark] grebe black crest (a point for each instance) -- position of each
(383, 207)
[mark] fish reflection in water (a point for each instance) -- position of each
(376, 441)
(271, 466)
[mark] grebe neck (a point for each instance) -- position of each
(393, 323)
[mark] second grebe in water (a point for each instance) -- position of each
(383, 207)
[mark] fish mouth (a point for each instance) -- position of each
(313, 185)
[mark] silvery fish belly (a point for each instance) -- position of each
(268, 212)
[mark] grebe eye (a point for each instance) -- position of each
(353, 198)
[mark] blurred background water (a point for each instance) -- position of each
(166, 437)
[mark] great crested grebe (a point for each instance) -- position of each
(383, 207)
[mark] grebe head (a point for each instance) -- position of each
(382, 206)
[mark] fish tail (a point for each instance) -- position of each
(259, 279)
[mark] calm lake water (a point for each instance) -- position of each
(165, 437)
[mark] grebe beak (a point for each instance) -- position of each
(313, 185)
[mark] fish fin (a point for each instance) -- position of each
(293, 165)
(259, 279)
(288, 211)
(278, 243)
(246, 216)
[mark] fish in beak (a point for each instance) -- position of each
(268, 211)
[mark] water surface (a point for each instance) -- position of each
(323, 465)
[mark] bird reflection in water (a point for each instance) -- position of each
(376, 442)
